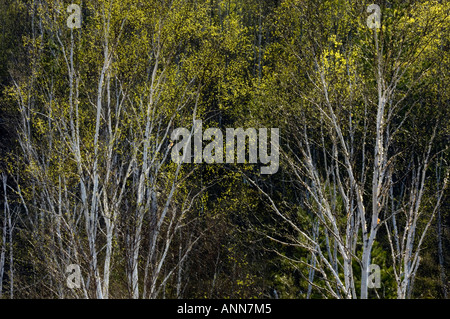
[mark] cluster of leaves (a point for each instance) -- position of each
(234, 63)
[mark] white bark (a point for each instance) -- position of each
(4, 234)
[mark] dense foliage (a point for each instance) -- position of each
(87, 178)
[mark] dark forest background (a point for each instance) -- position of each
(87, 178)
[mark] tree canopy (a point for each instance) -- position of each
(359, 204)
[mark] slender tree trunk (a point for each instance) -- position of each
(107, 264)
(11, 256)
(439, 240)
(441, 257)
(4, 235)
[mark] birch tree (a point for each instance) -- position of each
(341, 139)
(97, 112)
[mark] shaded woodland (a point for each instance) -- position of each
(86, 175)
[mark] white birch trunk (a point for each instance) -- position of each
(4, 234)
